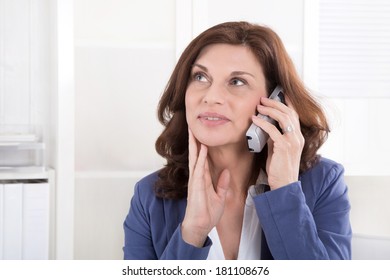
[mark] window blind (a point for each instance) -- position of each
(354, 48)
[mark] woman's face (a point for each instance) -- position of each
(225, 86)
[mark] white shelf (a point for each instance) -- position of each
(22, 145)
(18, 138)
(22, 157)
(24, 173)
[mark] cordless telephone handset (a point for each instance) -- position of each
(257, 137)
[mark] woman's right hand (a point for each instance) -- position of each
(205, 204)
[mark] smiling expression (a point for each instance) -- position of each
(226, 84)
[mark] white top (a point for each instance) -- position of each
(250, 241)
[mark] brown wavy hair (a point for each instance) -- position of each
(278, 69)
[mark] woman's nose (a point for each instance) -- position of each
(215, 95)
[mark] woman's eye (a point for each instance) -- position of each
(237, 82)
(200, 77)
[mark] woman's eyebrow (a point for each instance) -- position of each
(240, 73)
(234, 73)
(204, 68)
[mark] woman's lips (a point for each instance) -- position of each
(212, 119)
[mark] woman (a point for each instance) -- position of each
(210, 201)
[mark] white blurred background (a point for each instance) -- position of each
(91, 72)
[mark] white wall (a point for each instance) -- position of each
(124, 53)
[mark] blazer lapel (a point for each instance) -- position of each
(265, 253)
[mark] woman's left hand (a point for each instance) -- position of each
(284, 148)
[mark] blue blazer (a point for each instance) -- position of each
(307, 219)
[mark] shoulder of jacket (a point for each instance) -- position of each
(144, 188)
(325, 175)
(324, 168)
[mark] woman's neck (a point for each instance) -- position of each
(238, 161)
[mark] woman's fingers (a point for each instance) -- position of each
(192, 152)
(205, 205)
(284, 147)
(286, 116)
(196, 161)
(202, 159)
(223, 184)
(268, 127)
(200, 174)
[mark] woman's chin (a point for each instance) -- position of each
(216, 143)
(214, 140)
(212, 144)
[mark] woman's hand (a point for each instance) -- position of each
(284, 148)
(205, 204)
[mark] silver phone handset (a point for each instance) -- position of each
(257, 137)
